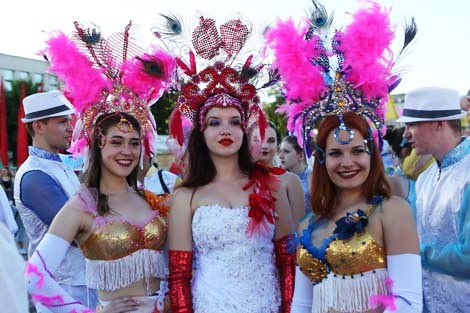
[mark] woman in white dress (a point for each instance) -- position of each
(230, 221)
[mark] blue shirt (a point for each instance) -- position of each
(40, 192)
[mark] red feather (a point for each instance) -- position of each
(183, 65)
(262, 123)
(176, 126)
(192, 62)
(248, 62)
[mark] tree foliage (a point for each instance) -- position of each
(162, 109)
(275, 99)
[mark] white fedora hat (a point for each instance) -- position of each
(42, 105)
(431, 104)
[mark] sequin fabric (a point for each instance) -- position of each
(117, 239)
(234, 272)
(180, 280)
(349, 251)
(354, 256)
(443, 231)
(345, 272)
(119, 252)
(313, 268)
(357, 255)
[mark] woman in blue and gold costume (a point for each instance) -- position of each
(120, 229)
(359, 251)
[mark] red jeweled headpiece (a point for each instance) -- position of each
(227, 80)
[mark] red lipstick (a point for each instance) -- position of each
(226, 142)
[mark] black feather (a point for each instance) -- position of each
(410, 32)
(248, 74)
(274, 78)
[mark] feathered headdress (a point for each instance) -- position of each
(328, 72)
(108, 75)
(228, 76)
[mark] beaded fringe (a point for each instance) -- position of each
(116, 274)
(348, 294)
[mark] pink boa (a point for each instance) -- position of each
(293, 58)
(368, 59)
(303, 81)
(385, 301)
(74, 68)
(138, 78)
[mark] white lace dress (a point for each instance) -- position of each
(234, 272)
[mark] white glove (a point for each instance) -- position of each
(405, 272)
(40, 280)
(303, 293)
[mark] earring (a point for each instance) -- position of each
(320, 154)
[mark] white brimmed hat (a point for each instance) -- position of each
(431, 104)
(45, 104)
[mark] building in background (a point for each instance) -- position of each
(18, 68)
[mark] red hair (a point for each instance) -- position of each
(323, 192)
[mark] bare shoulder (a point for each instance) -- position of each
(74, 208)
(395, 208)
(289, 177)
(399, 228)
(72, 221)
(182, 192)
(290, 180)
(181, 199)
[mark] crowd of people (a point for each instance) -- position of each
(316, 221)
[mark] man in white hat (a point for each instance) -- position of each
(43, 184)
(432, 118)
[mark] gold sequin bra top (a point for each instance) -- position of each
(349, 251)
(116, 238)
(119, 252)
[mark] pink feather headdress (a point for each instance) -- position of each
(108, 75)
(328, 72)
(230, 77)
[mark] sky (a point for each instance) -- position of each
(440, 56)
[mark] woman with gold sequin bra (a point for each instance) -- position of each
(120, 229)
(229, 221)
(359, 252)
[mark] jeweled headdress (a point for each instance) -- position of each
(329, 72)
(229, 75)
(109, 75)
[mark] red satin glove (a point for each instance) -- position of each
(285, 262)
(181, 263)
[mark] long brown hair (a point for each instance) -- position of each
(92, 175)
(323, 192)
(201, 169)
